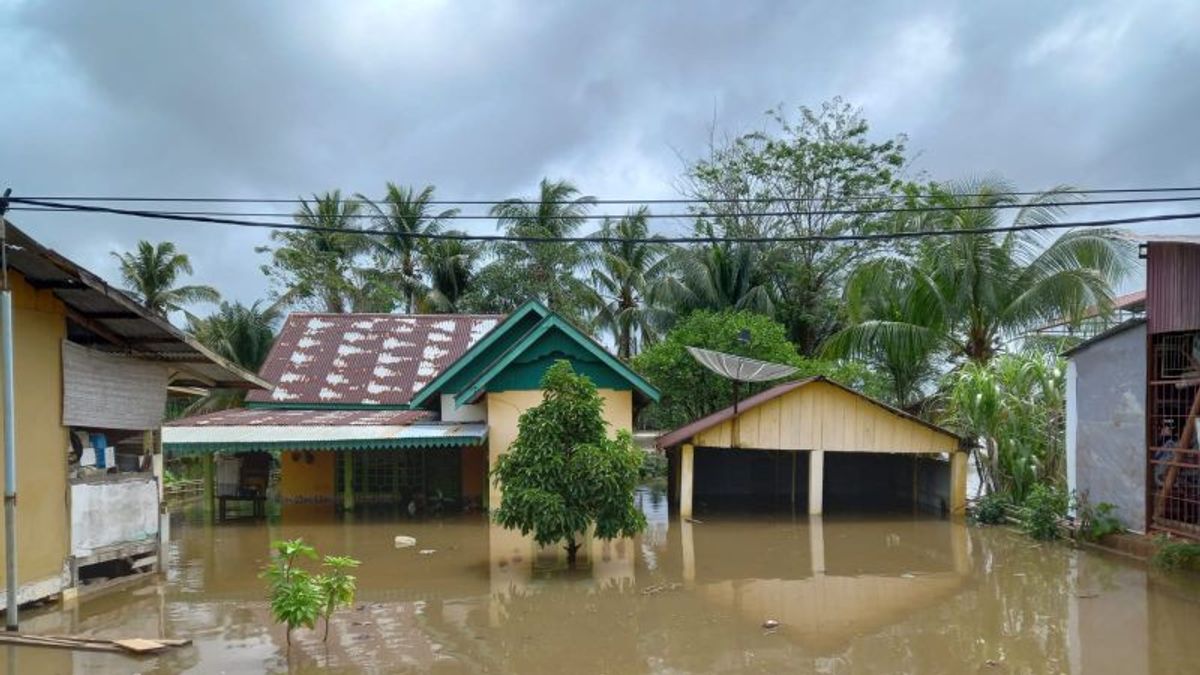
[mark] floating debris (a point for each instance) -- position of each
(770, 624)
(427, 551)
(403, 541)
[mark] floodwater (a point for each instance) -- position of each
(852, 595)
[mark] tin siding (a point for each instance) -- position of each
(1173, 287)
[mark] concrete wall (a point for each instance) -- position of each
(504, 409)
(39, 327)
(300, 481)
(1107, 424)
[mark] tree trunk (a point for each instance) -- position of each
(572, 552)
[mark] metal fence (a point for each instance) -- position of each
(1173, 402)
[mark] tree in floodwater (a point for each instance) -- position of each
(563, 474)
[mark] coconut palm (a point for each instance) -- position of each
(964, 297)
(624, 271)
(716, 277)
(317, 265)
(404, 215)
(151, 272)
(545, 270)
(244, 335)
(448, 264)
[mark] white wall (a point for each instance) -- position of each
(104, 513)
(475, 412)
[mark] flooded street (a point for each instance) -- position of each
(851, 595)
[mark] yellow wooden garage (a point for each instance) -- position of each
(809, 438)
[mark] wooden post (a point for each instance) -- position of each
(210, 487)
(347, 480)
(816, 545)
(958, 482)
(688, 542)
(686, 459)
(816, 482)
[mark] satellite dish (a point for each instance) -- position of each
(740, 368)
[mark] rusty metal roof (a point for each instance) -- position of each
(687, 431)
(364, 359)
(309, 418)
(105, 318)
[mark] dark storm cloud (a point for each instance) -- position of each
(283, 99)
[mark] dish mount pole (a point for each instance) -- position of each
(10, 436)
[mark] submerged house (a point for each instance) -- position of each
(91, 372)
(406, 409)
(814, 444)
(1133, 398)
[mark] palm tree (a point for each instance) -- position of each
(449, 263)
(547, 269)
(151, 272)
(244, 335)
(964, 297)
(624, 270)
(405, 215)
(318, 264)
(716, 276)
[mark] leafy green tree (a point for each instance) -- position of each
(545, 271)
(963, 298)
(625, 273)
(337, 586)
(295, 600)
(691, 391)
(563, 475)
(318, 266)
(151, 272)
(811, 175)
(405, 214)
(244, 335)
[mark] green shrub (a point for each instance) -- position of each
(1097, 522)
(654, 467)
(992, 509)
(1175, 554)
(1042, 510)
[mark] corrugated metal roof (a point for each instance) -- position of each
(105, 318)
(689, 430)
(1100, 337)
(364, 359)
(310, 418)
(319, 430)
(1173, 286)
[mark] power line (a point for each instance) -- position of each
(454, 236)
(631, 202)
(46, 206)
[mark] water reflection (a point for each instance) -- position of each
(851, 595)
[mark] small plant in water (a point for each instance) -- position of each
(1042, 510)
(1174, 554)
(992, 509)
(337, 586)
(1097, 521)
(299, 598)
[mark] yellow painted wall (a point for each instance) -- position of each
(39, 327)
(822, 416)
(504, 409)
(301, 481)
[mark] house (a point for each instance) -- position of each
(1133, 397)
(405, 409)
(91, 372)
(812, 444)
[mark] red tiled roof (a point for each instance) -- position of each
(367, 359)
(302, 418)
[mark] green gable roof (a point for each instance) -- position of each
(486, 351)
(522, 364)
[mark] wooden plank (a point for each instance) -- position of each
(140, 645)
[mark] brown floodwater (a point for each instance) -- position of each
(866, 594)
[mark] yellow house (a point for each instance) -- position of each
(811, 442)
(91, 372)
(404, 409)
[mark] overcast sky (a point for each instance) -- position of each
(262, 99)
